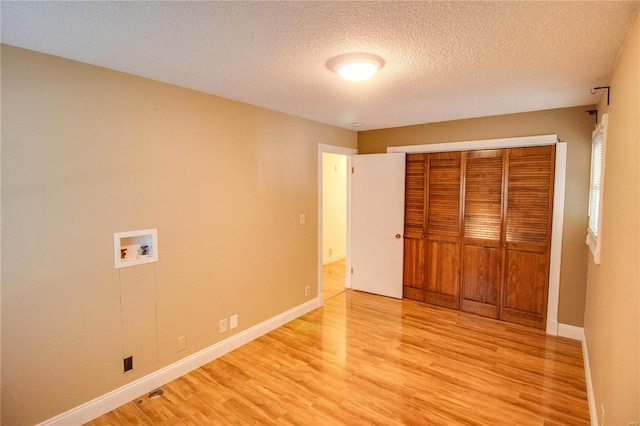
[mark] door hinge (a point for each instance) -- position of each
(352, 270)
(353, 170)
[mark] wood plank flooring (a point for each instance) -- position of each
(333, 278)
(365, 359)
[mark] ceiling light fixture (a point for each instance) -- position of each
(356, 66)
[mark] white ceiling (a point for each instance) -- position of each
(444, 60)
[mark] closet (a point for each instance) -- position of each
(478, 231)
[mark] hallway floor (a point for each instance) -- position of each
(333, 278)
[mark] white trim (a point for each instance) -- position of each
(347, 282)
(594, 241)
(322, 148)
(552, 324)
(114, 399)
(557, 224)
(591, 399)
(577, 333)
(571, 332)
(558, 199)
(476, 145)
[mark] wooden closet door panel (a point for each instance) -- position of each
(529, 195)
(529, 200)
(481, 278)
(443, 229)
(414, 227)
(413, 274)
(482, 248)
(443, 196)
(443, 276)
(526, 283)
(483, 196)
(414, 205)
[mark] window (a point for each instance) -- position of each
(598, 150)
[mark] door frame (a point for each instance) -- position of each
(348, 152)
(558, 199)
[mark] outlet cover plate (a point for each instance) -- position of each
(233, 322)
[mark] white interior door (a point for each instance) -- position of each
(377, 223)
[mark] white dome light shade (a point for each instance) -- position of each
(357, 71)
(356, 66)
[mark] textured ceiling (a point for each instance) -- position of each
(444, 60)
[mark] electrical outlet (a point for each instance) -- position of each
(303, 219)
(128, 364)
(182, 343)
(223, 326)
(233, 321)
(307, 291)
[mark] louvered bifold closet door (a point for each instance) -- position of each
(527, 228)
(482, 248)
(414, 232)
(443, 229)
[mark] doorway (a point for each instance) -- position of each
(334, 224)
(333, 212)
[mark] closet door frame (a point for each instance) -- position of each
(558, 199)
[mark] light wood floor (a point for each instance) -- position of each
(365, 359)
(333, 278)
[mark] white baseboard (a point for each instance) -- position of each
(593, 413)
(97, 407)
(571, 332)
(114, 399)
(577, 333)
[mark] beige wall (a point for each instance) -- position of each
(612, 325)
(572, 125)
(334, 207)
(87, 152)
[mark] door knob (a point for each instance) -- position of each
(398, 236)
